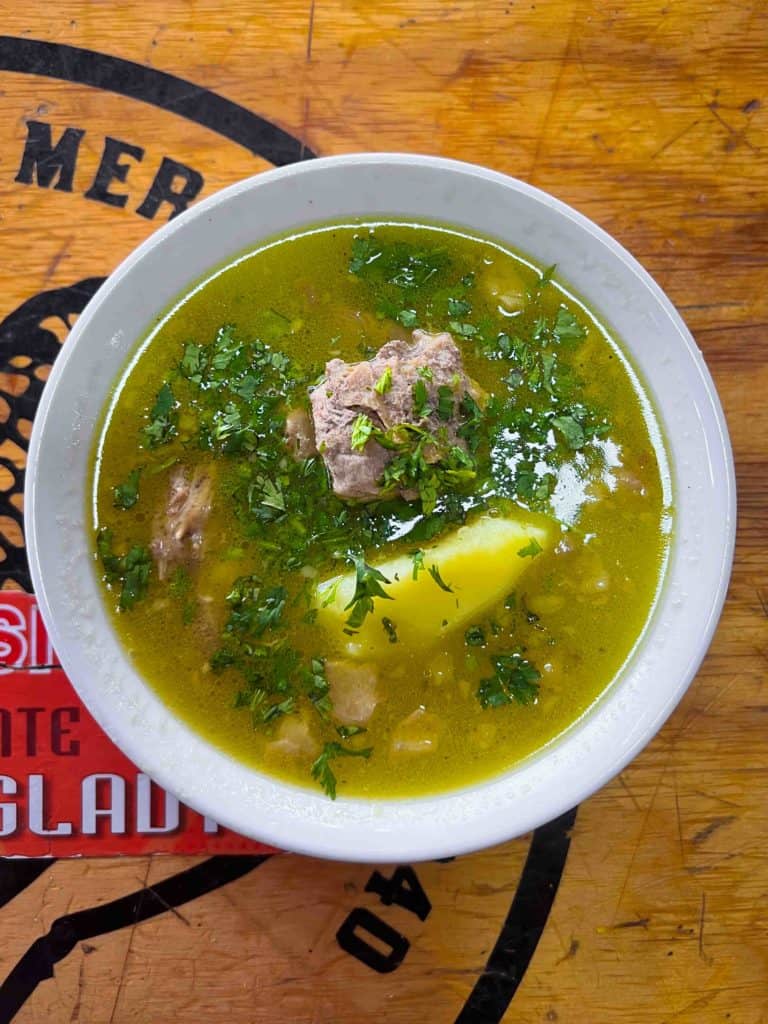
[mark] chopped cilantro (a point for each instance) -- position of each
(407, 317)
(418, 562)
(390, 629)
(127, 494)
(547, 275)
(364, 251)
(531, 549)
(567, 327)
(367, 586)
(272, 494)
(362, 429)
(458, 307)
(463, 330)
(515, 681)
(194, 362)
(475, 636)
(571, 431)
(348, 731)
(445, 402)
(161, 426)
(321, 770)
(421, 407)
(131, 570)
(384, 383)
(434, 572)
(425, 372)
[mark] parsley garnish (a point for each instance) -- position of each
(567, 327)
(194, 362)
(571, 431)
(458, 307)
(463, 330)
(546, 276)
(421, 407)
(531, 549)
(321, 769)
(162, 419)
(434, 572)
(364, 251)
(384, 383)
(418, 562)
(362, 429)
(131, 570)
(445, 402)
(348, 731)
(390, 629)
(127, 494)
(411, 470)
(367, 586)
(475, 636)
(515, 680)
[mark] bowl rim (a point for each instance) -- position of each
(330, 841)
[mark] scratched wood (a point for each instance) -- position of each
(649, 117)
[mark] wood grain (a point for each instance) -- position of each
(649, 117)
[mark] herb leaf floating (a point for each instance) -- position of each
(321, 769)
(161, 425)
(434, 572)
(515, 681)
(367, 586)
(127, 493)
(131, 570)
(531, 549)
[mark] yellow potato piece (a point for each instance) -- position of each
(480, 562)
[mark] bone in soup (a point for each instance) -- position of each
(380, 508)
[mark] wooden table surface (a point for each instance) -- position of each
(650, 117)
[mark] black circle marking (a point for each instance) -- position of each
(168, 92)
(524, 924)
(37, 964)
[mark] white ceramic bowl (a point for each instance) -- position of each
(58, 522)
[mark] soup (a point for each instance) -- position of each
(380, 508)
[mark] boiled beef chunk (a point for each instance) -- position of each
(349, 389)
(179, 526)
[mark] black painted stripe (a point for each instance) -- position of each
(520, 933)
(168, 92)
(38, 962)
(16, 875)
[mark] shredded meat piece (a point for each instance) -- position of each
(300, 434)
(416, 734)
(348, 389)
(353, 691)
(293, 739)
(179, 526)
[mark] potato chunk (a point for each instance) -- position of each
(480, 562)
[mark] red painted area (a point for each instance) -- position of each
(65, 788)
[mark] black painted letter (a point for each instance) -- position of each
(110, 169)
(161, 190)
(47, 160)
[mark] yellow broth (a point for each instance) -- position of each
(575, 614)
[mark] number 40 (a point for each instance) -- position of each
(405, 890)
